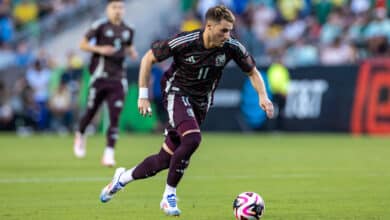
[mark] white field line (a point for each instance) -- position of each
(105, 179)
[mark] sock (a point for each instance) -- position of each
(109, 151)
(126, 177)
(80, 135)
(169, 190)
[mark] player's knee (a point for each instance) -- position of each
(191, 142)
(192, 139)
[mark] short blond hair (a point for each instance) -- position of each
(218, 13)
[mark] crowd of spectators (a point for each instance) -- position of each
(21, 24)
(290, 32)
(39, 94)
(42, 98)
(304, 32)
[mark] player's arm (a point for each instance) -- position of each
(143, 81)
(160, 50)
(105, 50)
(258, 83)
(132, 52)
(130, 49)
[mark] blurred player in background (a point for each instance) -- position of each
(113, 41)
(188, 86)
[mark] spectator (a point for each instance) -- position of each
(24, 55)
(337, 53)
(24, 107)
(25, 12)
(331, 29)
(6, 113)
(301, 53)
(289, 9)
(360, 6)
(190, 22)
(279, 79)
(6, 24)
(60, 106)
(38, 77)
(263, 16)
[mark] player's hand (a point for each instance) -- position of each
(267, 106)
(144, 107)
(107, 50)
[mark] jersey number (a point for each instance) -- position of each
(203, 72)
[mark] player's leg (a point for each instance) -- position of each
(190, 140)
(96, 96)
(153, 164)
(115, 101)
(149, 167)
(182, 118)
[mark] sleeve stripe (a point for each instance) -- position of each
(238, 44)
(172, 42)
(184, 41)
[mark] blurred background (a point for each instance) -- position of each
(325, 62)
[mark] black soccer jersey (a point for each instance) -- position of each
(195, 70)
(118, 36)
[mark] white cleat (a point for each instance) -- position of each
(108, 160)
(113, 187)
(79, 147)
(169, 205)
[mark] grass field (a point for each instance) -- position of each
(299, 176)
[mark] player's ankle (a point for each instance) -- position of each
(169, 190)
(109, 151)
(127, 177)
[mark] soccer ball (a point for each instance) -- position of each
(248, 206)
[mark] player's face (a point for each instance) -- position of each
(220, 32)
(116, 10)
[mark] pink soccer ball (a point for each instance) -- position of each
(248, 206)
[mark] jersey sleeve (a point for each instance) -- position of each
(129, 42)
(163, 49)
(94, 29)
(241, 56)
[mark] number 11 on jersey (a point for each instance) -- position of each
(203, 72)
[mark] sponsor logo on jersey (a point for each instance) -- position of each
(190, 59)
(220, 60)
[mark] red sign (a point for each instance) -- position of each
(371, 108)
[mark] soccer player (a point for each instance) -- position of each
(113, 41)
(188, 86)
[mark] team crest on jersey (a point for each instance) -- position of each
(109, 33)
(220, 60)
(126, 35)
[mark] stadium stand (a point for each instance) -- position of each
(297, 33)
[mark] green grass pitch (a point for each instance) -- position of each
(300, 176)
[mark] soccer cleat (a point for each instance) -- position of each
(108, 160)
(169, 205)
(113, 187)
(79, 147)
